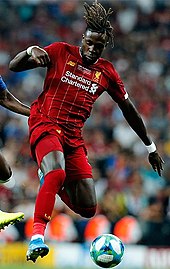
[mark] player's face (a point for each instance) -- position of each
(93, 44)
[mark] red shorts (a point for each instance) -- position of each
(76, 162)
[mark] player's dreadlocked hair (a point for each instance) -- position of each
(96, 18)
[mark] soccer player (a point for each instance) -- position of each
(10, 102)
(75, 78)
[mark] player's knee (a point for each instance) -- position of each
(55, 178)
(87, 212)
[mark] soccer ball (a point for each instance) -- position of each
(107, 250)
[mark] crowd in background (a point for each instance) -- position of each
(133, 201)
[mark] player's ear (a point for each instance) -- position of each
(106, 44)
(106, 41)
(83, 36)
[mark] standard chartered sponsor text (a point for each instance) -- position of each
(79, 78)
(76, 82)
(79, 82)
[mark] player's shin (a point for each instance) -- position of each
(46, 199)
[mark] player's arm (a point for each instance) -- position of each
(10, 102)
(30, 58)
(135, 121)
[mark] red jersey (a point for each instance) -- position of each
(71, 88)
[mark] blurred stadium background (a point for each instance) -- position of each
(133, 202)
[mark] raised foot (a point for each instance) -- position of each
(36, 249)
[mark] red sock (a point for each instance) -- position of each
(46, 198)
(39, 228)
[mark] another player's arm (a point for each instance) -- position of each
(10, 102)
(31, 58)
(135, 121)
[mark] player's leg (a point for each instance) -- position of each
(9, 218)
(50, 159)
(79, 195)
(83, 204)
(5, 170)
(5, 174)
(79, 190)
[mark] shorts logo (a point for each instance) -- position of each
(71, 63)
(47, 217)
(58, 131)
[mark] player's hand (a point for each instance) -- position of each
(40, 56)
(156, 162)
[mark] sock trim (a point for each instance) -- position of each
(36, 236)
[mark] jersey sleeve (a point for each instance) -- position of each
(116, 88)
(53, 50)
